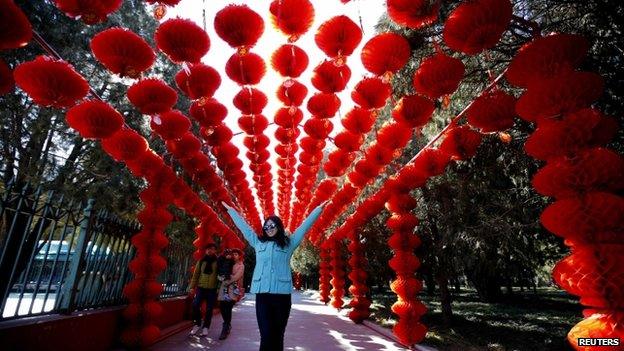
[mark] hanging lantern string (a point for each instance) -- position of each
(451, 124)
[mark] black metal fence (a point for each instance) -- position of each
(57, 255)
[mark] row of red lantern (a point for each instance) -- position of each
(241, 28)
(144, 289)
(404, 263)
(290, 61)
(583, 176)
(324, 274)
(337, 38)
(411, 112)
(337, 273)
(359, 303)
(15, 32)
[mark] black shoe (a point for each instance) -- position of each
(225, 332)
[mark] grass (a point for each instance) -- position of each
(524, 321)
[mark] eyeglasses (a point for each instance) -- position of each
(269, 226)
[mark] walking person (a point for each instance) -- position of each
(230, 291)
(272, 277)
(204, 286)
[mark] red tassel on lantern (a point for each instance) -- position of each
(198, 81)
(94, 119)
(239, 26)
(338, 36)
(15, 29)
(122, 52)
(51, 82)
(182, 40)
(151, 96)
(477, 25)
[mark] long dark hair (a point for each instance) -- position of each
(280, 238)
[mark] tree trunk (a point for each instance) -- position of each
(445, 298)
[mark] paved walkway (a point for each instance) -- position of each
(312, 326)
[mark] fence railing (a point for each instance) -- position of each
(59, 256)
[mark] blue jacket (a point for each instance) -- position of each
(272, 273)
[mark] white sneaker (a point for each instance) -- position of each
(204, 332)
(195, 329)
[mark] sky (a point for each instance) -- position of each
(366, 12)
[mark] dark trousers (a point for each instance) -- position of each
(201, 295)
(226, 311)
(272, 312)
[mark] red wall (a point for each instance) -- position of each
(88, 330)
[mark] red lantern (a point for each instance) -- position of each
(148, 165)
(94, 119)
(597, 325)
(170, 125)
(122, 52)
(547, 57)
(348, 141)
(338, 36)
(89, 11)
(323, 105)
(198, 81)
(292, 17)
(386, 52)
(217, 135)
(245, 69)
(414, 111)
(182, 40)
(51, 82)
(125, 145)
(292, 93)
(289, 60)
(394, 136)
(359, 120)
(461, 142)
(287, 117)
(330, 78)
(477, 25)
(371, 93)
(379, 154)
(15, 29)
(413, 14)
(593, 170)
(594, 217)
(208, 113)
(7, 83)
(151, 96)
(250, 101)
(253, 124)
(318, 128)
(238, 25)
(549, 98)
(438, 75)
(492, 112)
(579, 130)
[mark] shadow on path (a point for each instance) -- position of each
(312, 326)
